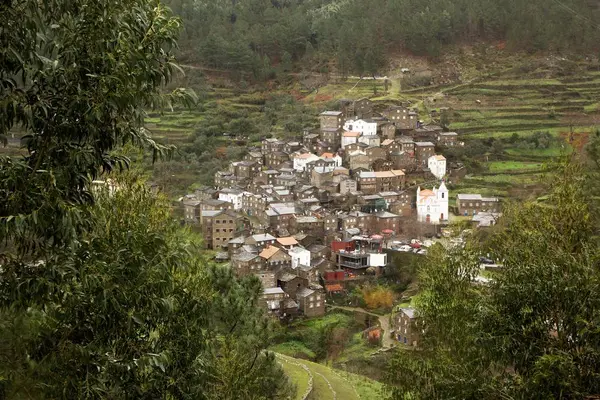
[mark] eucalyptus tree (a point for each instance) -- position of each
(101, 295)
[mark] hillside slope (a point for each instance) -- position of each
(325, 383)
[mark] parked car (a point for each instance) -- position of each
(404, 248)
(422, 252)
(485, 260)
(415, 245)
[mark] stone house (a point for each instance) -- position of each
(370, 140)
(245, 169)
(309, 140)
(274, 299)
(472, 204)
(261, 241)
(354, 220)
(388, 131)
(311, 302)
(306, 192)
(191, 211)
(362, 108)
(402, 160)
(308, 224)
(292, 146)
(255, 204)
(376, 153)
(382, 165)
(268, 176)
(348, 185)
(386, 221)
(274, 159)
(244, 263)
(215, 204)
(391, 146)
(359, 159)
(407, 327)
(292, 284)
(320, 175)
(448, 139)
(331, 120)
(407, 144)
(381, 181)
(280, 216)
(219, 227)
(402, 117)
(254, 156)
(224, 179)
(427, 133)
(358, 146)
(366, 182)
(271, 145)
(267, 278)
(275, 258)
(325, 146)
(423, 150)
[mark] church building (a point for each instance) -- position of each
(432, 205)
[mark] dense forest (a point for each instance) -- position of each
(355, 36)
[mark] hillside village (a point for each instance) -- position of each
(308, 216)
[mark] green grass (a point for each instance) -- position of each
(298, 376)
(293, 349)
(346, 385)
(555, 151)
(507, 166)
(505, 179)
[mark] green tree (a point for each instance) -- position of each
(533, 331)
(101, 295)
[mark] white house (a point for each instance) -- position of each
(432, 205)
(437, 166)
(300, 256)
(232, 196)
(300, 161)
(350, 138)
(366, 128)
(332, 157)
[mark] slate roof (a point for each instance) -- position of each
(304, 292)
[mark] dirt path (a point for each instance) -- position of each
(384, 321)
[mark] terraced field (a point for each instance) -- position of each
(324, 383)
(511, 107)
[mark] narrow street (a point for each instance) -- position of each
(384, 321)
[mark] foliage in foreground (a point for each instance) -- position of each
(131, 309)
(534, 332)
(101, 296)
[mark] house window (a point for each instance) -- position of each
(318, 304)
(443, 195)
(311, 305)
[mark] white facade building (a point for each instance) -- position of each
(437, 166)
(232, 196)
(366, 128)
(432, 205)
(332, 157)
(300, 256)
(350, 138)
(301, 160)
